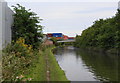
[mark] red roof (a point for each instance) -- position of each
(65, 37)
(49, 35)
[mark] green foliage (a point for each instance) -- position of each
(54, 40)
(104, 33)
(30, 67)
(16, 60)
(56, 73)
(26, 25)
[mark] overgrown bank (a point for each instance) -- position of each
(47, 68)
(39, 66)
(26, 58)
(104, 34)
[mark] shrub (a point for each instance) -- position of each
(17, 58)
(26, 25)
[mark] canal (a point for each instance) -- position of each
(84, 65)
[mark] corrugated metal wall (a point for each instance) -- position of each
(6, 20)
(57, 35)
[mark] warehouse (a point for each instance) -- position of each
(58, 36)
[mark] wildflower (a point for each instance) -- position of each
(20, 40)
(18, 53)
(30, 47)
(17, 77)
(21, 76)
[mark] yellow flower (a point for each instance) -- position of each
(20, 41)
(18, 53)
(30, 47)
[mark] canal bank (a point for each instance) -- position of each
(40, 66)
(84, 65)
(47, 68)
(102, 50)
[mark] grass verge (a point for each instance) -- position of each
(38, 73)
(24, 65)
(56, 73)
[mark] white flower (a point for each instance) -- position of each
(17, 77)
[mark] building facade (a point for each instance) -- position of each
(6, 20)
(58, 36)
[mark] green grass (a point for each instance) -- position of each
(38, 72)
(56, 73)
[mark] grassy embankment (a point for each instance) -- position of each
(21, 63)
(47, 62)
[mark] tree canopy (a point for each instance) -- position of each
(104, 33)
(26, 25)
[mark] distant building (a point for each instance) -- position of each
(65, 37)
(58, 36)
(49, 35)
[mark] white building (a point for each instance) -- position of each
(6, 20)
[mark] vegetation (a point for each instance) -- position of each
(26, 25)
(56, 73)
(54, 40)
(17, 58)
(24, 65)
(104, 33)
(21, 60)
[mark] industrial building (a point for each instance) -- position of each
(58, 36)
(6, 21)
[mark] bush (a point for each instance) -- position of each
(16, 59)
(104, 33)
(26, 25)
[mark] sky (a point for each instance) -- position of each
(69, 17)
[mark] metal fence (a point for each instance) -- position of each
(6, 20)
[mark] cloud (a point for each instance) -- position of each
(70, 18)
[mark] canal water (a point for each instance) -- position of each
(84, 65)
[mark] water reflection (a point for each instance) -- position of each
(81, 65)
(104, 67)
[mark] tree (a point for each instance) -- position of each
(26, 25)
(104, 33)
(54, 40)
(117, 33)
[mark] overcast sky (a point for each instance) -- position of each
(70, 17)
